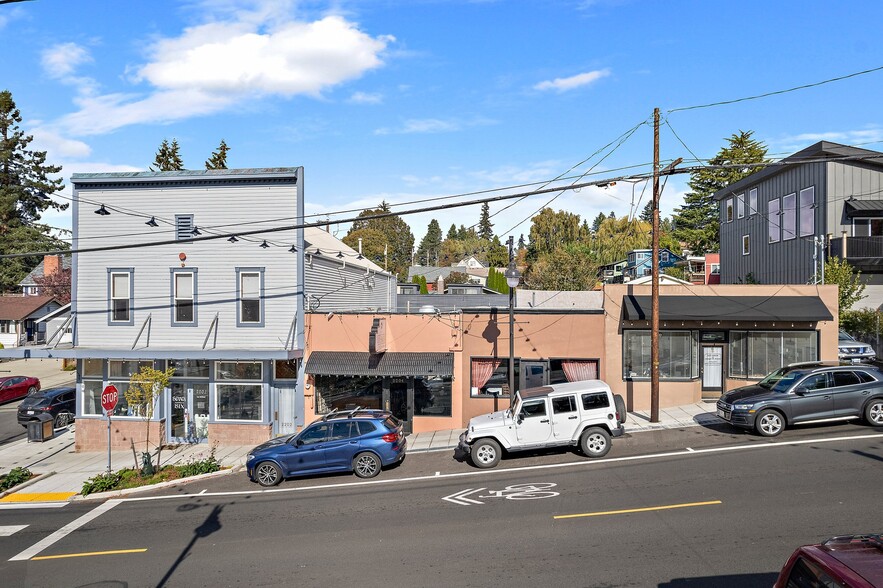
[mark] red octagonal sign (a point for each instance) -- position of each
(109, 398)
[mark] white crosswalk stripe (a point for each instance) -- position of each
(6, 531)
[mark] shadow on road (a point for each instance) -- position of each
(729, 581)
(211, 524)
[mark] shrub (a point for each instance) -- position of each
(101, 483)
(202, 466)
(15, 477)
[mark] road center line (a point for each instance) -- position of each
(630, 510)
(496, 471)
(65, 531)
(88, 554)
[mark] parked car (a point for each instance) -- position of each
(581, 414)
(60, 403)
(15, 387)
(806, 393)
(854, 561)
(852, 350)
(360, 441)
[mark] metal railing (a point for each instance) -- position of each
(857, 247)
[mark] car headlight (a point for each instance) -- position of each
(249, 457)
(743, 406)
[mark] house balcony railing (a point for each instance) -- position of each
(857, 247)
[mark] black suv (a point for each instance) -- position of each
(61, 403)
(806, 393)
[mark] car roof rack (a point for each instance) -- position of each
(342, 414)
(871, 539)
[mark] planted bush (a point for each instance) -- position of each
(15, 477)
(101, 483)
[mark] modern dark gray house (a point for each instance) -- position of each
(826, 200)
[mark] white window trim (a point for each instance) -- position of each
(728, 210)
(740, 205)
(793, 209)
(774, 217)
(811, 230)
(746, 244)
(752, 201)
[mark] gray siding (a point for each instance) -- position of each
(333, 286)
(784, 262)
(844, 181)
(216, 209)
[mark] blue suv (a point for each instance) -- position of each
(359, 441)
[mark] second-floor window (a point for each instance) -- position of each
(789, 217)
(728, 210)
(120, 287)
(746, 245)
(250, 297)
(808, 212)
(184, 296)
(773, 220)
(752, 201)
(740, 205)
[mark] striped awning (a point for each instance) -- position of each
(390, 363)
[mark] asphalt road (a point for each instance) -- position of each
(692, 507)
(10, 430)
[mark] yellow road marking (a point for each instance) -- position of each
(90, 553)
(37, 496)
(645, 509)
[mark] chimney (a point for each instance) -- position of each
(51, 264)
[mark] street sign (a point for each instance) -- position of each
(109, 398)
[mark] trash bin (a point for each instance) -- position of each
(41, 429)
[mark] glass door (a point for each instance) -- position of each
(712, 369)
(399, 400)
(188, 413)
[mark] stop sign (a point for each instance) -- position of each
(109, 398)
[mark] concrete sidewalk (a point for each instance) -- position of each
(63, 471)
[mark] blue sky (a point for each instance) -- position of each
(401, 100)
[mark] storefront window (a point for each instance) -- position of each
(348, 392)
(125, 368)
(490, 376)
(92, 396)
(678, 355)
(189, 368)
(738, 342)
(92, 367)
(572, 370)
(432, 396)
(241, 402)
(286, 369)
(238, 370)
(770, 350)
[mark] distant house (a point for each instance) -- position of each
(471, 262)
(18, 318)
(47, 267)
(611, 273)
(701, 269)
(639, 262)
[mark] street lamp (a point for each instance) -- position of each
(513, 276)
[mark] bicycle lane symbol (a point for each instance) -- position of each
(515, 492)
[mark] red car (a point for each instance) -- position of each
(850, 561)
(15, 387)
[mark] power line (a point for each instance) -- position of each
(777, 92)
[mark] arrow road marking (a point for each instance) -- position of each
(460, 497)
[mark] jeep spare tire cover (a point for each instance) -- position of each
(620, 407)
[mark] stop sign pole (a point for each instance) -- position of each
(109, 398)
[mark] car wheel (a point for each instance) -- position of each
(366, 465)
(32, 390)
(595, 442)
(486, 453)
(769, 423)
(267, 473)
(874, 412)
(620, 407)
(62, 420)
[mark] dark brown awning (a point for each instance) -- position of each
(391, 363)
(756, 308)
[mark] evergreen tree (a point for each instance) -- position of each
(430, 245)
(647, 213)
(397, 233)
(25, 190)
(452, 232)
(168, 157)
(218, 160)
(521, 243)
(598, 220)
(697, 221)
(485, 227)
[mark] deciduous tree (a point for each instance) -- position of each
(850, 287)
(398, 236)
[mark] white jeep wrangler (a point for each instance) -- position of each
(584, 413)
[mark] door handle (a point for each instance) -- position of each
(572, 418)
(865, 392)
(353, 443)
(826, 397)
(544, 420)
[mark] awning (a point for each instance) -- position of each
(391, 363)
(698, 308)
(872, 208)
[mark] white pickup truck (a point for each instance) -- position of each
(584, 414)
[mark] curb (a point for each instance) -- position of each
(24, 485)
(161, 485)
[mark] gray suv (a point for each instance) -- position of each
(806, 393)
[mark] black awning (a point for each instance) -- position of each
(390, 363)
(872, 208)
(726, 308)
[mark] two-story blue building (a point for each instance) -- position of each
(639, 262)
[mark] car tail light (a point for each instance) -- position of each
(391, 437)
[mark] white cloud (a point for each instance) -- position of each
(566, 84)
(211, 67)
(366, 98)
(433, 125)
(854, 138)
(57, 146)
(60, 61)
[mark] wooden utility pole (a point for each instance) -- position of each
(654, 318)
